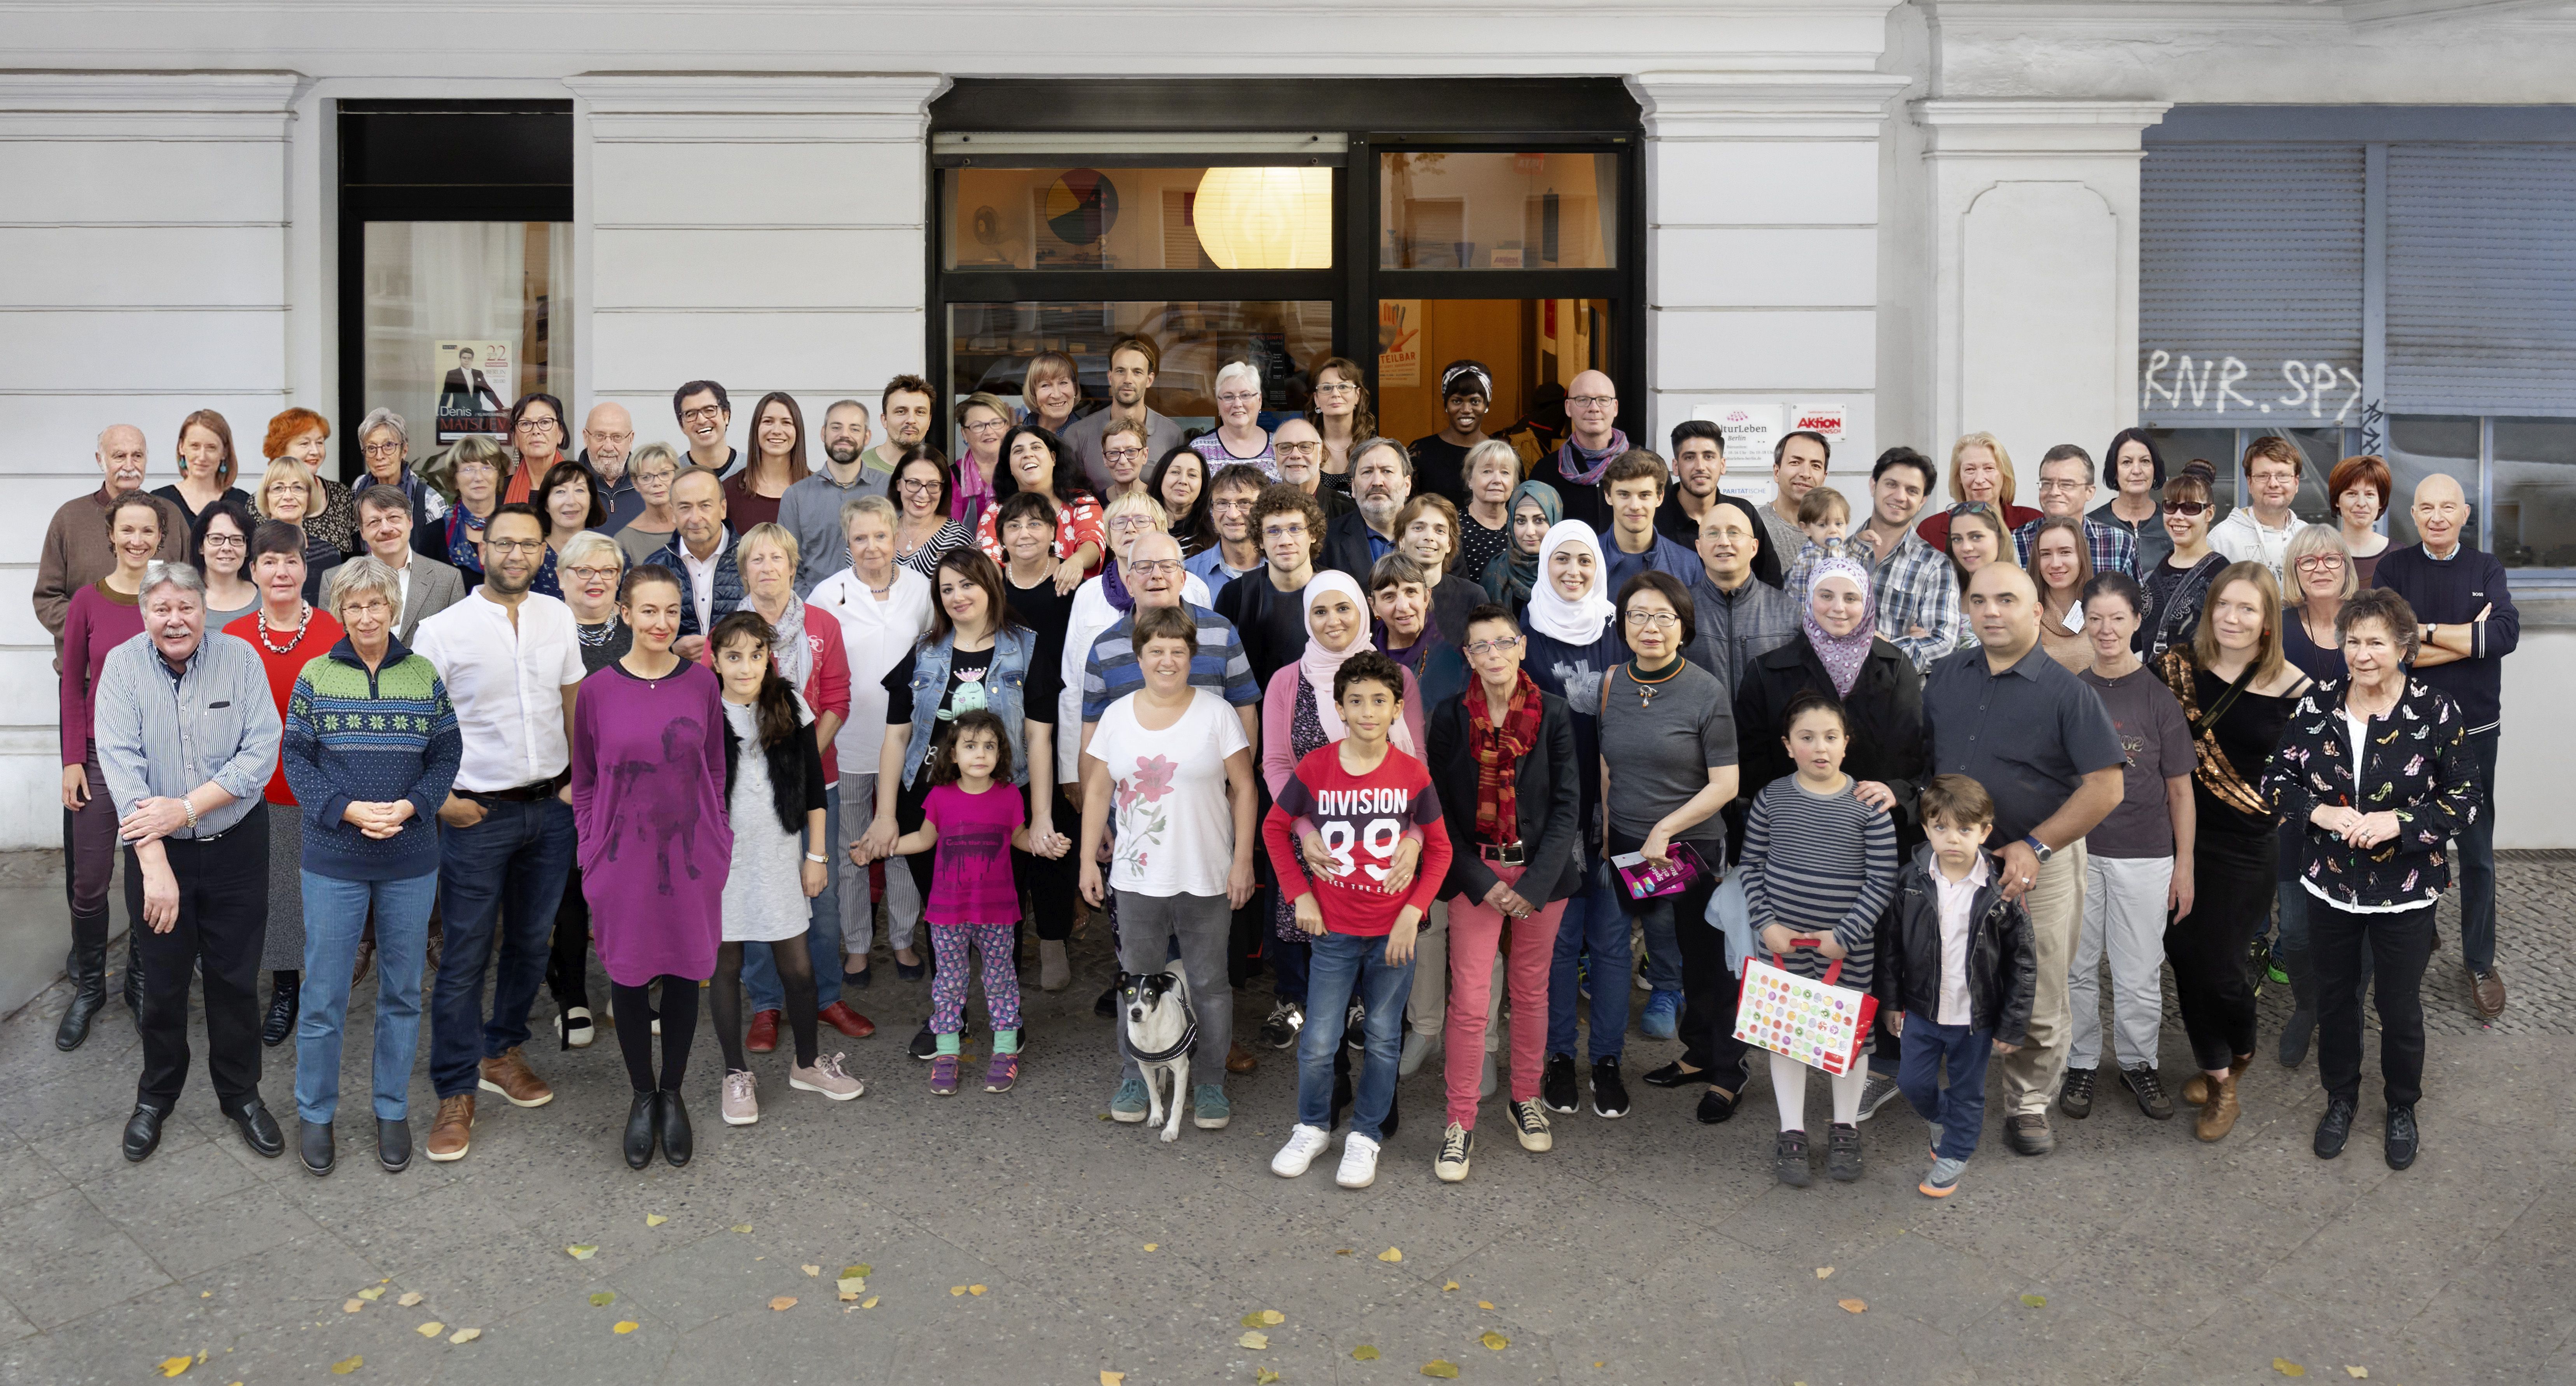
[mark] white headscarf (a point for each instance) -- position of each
(1575, 622)
(1318, 665)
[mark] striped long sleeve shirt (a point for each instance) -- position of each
(1819, 863)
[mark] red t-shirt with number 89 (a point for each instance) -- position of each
(1363, 820)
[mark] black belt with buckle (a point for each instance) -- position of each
(523, 794)
(1507, 854)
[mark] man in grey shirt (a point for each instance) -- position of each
(811, 509)
(1740, 617)
(1132, 363)
(187, 737)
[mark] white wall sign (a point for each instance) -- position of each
(1826, 419)
(1751, 430)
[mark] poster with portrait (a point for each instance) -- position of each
(475, 388)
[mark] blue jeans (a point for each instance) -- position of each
(499, 880)
(1959, 1108)
(335, 915)
(822, 938)
(1593, 919)
(1342, 965)
(2477, 860)
(1289, 964)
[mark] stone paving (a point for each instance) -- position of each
(1645, 1250)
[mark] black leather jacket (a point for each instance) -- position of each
(2003, 972)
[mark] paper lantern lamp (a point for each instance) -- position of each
(1266, 218)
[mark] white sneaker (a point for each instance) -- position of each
(1304, 1144)
(1359, 1162)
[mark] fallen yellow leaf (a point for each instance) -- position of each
(1445, 1370)
(954, 1291)
(742, 1227)
(205, 1294)
(347, 1365)
(782, 1303)
(1273, 1317)
(352, 1306)
(976, 1290)
(654, 1219)
(812, 1270)
(1110, 1378)
(862, 1269)
(411, 1299)
(1853, 1306)
(1824, 1272)
(1494, 1340)
(851, 1284)
(172, 1366)
(1448, 1287)
(1484, 1304)
(2286, 1367)
(1255, 1340)
(431, 1329)
(1390, 1254)
(870, 1302)
(1264, 1376)
(465, 1335)
(849, 1296)
(1363, 1353)
(601, 1299)
(2035, 1301)
(626, 1326)
(1150, 1246)
(2357, 1373)
(372, 1293)
(582, 1253)
(1342, 1251)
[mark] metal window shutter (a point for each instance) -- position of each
(2250, 251)
(2481, 279)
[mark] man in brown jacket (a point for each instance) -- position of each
(76, 551)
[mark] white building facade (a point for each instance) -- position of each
(2343, 222)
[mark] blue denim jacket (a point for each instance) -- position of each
(1005, 686)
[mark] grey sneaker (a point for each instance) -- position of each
(1529, 1122)
(741, 1099)
(1875, 1093)
(1213, 1111)
(1942, 1179)
(1128, 1103)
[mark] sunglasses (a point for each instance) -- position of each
(2186, 507)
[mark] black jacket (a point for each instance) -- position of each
(1547, 798)
(795, 774)
(1346, 546)
(2003, 972)
(1886, 710)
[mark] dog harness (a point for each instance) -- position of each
(1189, 1036)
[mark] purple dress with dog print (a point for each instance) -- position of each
(648, 809)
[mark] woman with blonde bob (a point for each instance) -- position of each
(1981, 473)
(1050, 391)
(290, 493)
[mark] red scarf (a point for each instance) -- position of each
(1498, 753)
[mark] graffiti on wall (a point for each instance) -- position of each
(2180, 383)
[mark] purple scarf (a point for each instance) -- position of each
(1594, 463)
(1842, 657)
(1114, 587)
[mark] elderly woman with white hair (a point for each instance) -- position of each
(384, 442)
(1239, 436)
(371, 748)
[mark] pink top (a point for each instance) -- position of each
(648, 810)
(99, 621)
(1279, 709)
(971, 883)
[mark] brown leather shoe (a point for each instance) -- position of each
(454, 1130)
(1240, 1060)
(840, 1017)
(2218, 1114)
(2486, 991)
(510, 1076)
(763, 1038)
(2195, 1089)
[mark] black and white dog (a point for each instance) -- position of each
(1158, 1028)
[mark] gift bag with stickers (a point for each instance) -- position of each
(1813, 1021)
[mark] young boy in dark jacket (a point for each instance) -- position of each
(1956, 972)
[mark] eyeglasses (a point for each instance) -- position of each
(1655, 620)
(1283, 531)
(1298, 449)
(2186, 507)
(225, 541)
(986, 426)
(1123, 454)
(1237, 397)
(1592, 401)
(1149, 567)
(1499, 645)
(590, 574)
(704, 413)
(657, 474)
(483, 468)
(1127, 522)
(1228, 507)
(1337, 387)
(382, 449)
(2063, 484)
(515, 545)
(916, 483)
(376, 608)
(2318, 562)
(536, 423)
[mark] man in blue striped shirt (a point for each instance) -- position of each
(1110, 672)
(187, 738)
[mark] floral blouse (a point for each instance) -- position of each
(1077, 522)
(2413, 762)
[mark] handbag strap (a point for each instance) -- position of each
(1833, 970)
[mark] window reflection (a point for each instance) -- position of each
(1468, 210)
(990, 345)
(1138, 218)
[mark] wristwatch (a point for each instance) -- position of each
(2039, 848)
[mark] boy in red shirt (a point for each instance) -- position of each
(1353, 803)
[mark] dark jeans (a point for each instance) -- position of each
(2398, 946)
(223, 920)
(1048, 888)
(498, 885)
(2232, 888)
(568, 962)
(2477, 860)
(1959, 1108)
(1708, 990)
(1290, 962)
(1592, 920)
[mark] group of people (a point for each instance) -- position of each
(1416, 729)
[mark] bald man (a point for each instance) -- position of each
(607, 435)
(76, 551)
(2467, 624)
(1592, 440)
(2014, 720)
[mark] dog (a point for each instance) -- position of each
(1158, 1029)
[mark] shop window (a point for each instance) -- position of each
(1444, 209)
(1533, 347)
(2423, 445)
(460, 321)
(2533, 493)
(990, 344)
(2216, 446)
(1078, 218)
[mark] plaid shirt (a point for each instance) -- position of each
(1914, 586)
(2115, 550)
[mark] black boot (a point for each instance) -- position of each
(2301, 1027)
(134, 968)
(87, 967)
(642, 1127)
(283, 988)
(678, 1141)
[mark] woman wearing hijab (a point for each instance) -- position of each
(1536, 511)
(1571, 637)
(1836, 654)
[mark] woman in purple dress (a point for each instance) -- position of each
(648, 803)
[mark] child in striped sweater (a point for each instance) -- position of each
(1819, 866)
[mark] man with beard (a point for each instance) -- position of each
(1699, 464)
(1592, 441)
(606, 437)
(1132, 363)
(904, 409)
(811, 509)
(511, 660)
(76, 551)
(1300, 450)
(1381, 482)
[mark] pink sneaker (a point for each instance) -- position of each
(943, 1075)
(826, 1078)
(741, 1099)
(1002, 1072)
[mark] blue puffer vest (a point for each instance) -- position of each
(1005, 695)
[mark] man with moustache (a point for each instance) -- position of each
(426, 586)
(1798, 464)
(1300, 450)
(811, 509)
(76, 551)
(1699, 464)
(1381, 482)
(607, 434)
(904, 408)
(1132, 364)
